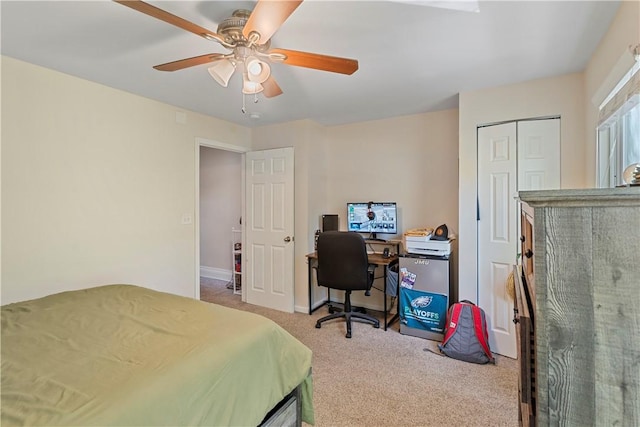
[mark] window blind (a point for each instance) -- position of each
(627, 97)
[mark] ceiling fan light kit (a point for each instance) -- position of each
(248, 35)
(257, 71)
(222, 70)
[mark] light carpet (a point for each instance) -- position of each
(380, 378)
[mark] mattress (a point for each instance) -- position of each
(127, 355)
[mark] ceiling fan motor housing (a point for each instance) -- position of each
(231, 29)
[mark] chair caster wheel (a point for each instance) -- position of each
(348, 335)
(318, 325)
(377, 326)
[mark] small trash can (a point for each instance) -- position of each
(392, 280)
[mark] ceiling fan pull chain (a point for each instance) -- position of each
(255, 98)
(244, 109)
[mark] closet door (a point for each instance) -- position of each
(497, 232)
(539, 155)
(514, 156)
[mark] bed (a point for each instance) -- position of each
(127, 355)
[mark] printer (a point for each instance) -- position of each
(424, 245)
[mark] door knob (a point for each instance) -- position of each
(287, 239)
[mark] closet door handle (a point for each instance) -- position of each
(287, 239)
(528, 253)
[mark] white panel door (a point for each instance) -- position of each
(269, 229)
(539, 154)
(514, 156)
(497, 234)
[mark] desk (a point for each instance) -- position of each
(375, 258)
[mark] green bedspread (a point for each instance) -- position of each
(126, 355)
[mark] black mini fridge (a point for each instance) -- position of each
(424, 295)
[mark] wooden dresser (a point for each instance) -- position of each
(578, 307)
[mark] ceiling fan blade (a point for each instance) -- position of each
(157, 13)
(189, 62)
(271, 88)
(267, 17)
(317, 61)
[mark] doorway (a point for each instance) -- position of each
(267, 201)
(512, 156)
(219, 208)
(220, 214)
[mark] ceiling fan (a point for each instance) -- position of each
(247, 34)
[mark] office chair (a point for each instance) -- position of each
(343, 264)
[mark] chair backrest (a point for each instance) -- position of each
(342, 261)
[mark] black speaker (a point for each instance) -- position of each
(329, 222)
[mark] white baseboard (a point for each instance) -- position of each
(215, 273)
(300, 309)
(305, 308)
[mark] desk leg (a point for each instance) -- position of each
(396, 316)
(384, 295)
(310, 280)
(310, 284)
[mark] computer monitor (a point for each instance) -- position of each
(372, 218)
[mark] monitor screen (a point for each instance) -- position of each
(372, 217)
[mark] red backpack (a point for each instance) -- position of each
(465, 334)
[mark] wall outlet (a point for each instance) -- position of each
(186, 219)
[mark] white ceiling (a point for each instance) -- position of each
(413, 58)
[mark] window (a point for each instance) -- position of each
(619, 130)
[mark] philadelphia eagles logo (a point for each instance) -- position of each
(421, 302)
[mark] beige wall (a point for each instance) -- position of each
(95, 182)
(611, 60)
(410, 160)
(559, 96)
(220, 209)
